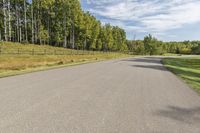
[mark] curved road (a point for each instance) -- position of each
(136, 95)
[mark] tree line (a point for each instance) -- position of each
(152, 46)
(63, 23)
(57, 23)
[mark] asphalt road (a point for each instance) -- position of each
(135, 95)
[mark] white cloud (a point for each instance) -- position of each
(147, 15)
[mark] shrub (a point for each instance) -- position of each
(196, 50)
(185, 51)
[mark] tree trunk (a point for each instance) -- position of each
(20, 34)
(36, 29)
(64, 25)
(73, 43)
(20, 29)
(49, 26)
(25, 22)
(85, 43)
(0, 35)
(17, 22)
(32, 24)
(5, 21)
(9, 21)
(38, 21)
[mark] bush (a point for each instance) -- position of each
(157, 51)
(196, 50)
(185, 51)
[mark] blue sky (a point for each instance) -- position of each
(168, 20)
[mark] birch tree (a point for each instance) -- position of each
(57, 22)
(25, 21)
(5, 20)
(9, 20)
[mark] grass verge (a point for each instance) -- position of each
(186, 68)
(14, 64)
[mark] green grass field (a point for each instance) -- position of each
(186, 68)
(13, 62)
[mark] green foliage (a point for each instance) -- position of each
(196, 50)
(151, 46)
(43, 34)
(185, 51)
(61, 23)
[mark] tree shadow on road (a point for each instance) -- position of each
(184, 115)
(153, 60)
(177, 71)
(155, 67)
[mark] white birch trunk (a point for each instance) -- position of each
(64, 24)
(32, 24)
(73, 37)
(5, 21)
(9, 21)
(25, 21)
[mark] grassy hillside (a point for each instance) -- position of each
(30, 49)
(186, 68)
(17, 58)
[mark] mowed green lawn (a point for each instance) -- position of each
(17, 63)
(186, 68)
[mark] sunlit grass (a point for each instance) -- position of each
(12, 64)
(186, 68)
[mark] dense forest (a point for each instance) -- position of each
(57, 23)
(63, 23)
(152, 46)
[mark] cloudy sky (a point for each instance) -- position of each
(166, 19)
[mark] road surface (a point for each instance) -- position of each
(136, 95)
